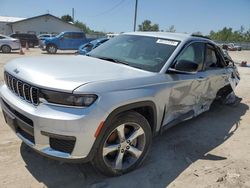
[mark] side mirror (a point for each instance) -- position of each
(61, 38)
(186, 66)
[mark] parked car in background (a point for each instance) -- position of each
(112, 35)
(107, 106)
(64, 41)
(233, 47)
(30, 39)
(44, 36)
(7, 44)
(85, 48)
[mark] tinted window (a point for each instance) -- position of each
(88, 47)
(2, 37)
(77, 35)
(33, 36)
(67, 36)
(148, 53)
(14, 35)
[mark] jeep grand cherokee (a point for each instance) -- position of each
(106, 107)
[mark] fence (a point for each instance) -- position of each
(244, 45)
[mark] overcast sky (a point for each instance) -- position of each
(117, 15)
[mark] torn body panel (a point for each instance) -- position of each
(193, 94)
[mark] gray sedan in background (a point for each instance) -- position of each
(7, 44)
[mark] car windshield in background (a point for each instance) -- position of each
(143, 52)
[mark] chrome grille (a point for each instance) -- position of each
(21, 89)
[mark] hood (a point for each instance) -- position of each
(66, 73)
(50, 39)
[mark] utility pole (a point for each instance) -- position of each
(136, 2)
(73, 14)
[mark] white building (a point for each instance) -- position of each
(4, 21)
(46, 23)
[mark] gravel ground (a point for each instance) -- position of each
(212, 150)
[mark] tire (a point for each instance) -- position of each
(6, 49)
(51, 49)
(131, 149)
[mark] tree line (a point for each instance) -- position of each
(226, 34)
(67, 18)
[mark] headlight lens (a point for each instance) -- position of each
(68, 99)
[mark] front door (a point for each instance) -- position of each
(184, 100)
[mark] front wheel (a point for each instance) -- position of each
(51, 49)
(6, 49)
(124, 145)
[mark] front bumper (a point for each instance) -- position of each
(55, 131)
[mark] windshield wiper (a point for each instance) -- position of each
(113, 60)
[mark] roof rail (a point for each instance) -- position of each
(201, 36)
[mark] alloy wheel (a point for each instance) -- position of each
(124, 146)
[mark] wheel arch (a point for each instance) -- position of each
(145, 108)
(5, 45)
(139, 107)
(51, 43)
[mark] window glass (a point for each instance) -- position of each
(67, 36)
(14, 35)
(88, 47)
(148, 53)
(211, 59)
(188, 54)
(194, 53)
(77, 35)
(2, 37)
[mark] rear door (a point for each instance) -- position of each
(215, 72)
(78, 40)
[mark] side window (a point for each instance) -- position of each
(194, 53)
(2, 37)
(188, 54)
(212, 60)
(67, 36)
(77, 35)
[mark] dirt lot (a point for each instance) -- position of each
(212, 150)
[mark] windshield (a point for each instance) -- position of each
(147, 53)
(60, 34)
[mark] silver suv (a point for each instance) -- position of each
(106, 107)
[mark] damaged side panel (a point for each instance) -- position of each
(193, 94)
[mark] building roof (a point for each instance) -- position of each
(10, 19)
(43, 15)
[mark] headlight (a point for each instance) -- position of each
(68, 99)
